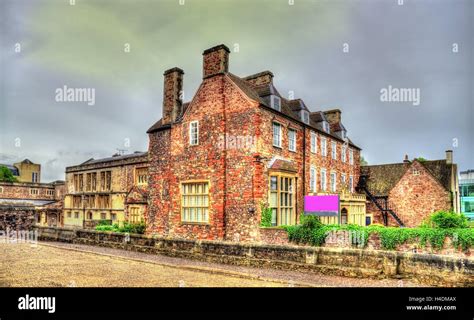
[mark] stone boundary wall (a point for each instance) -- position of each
(280, 237)
(426, 269)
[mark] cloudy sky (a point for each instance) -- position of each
(338, 53)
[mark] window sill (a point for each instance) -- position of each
(195, 223)
(279, 147)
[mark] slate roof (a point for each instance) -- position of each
(116, 158)
(382, 178)
(261, 94)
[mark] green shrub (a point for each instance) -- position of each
(446, 220)
(6, 175)
(312, 232)
(133, 227)
(105, 228)
(266, 220)
(126, 228)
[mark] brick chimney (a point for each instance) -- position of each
(172, 95)
(449, 156)
(261, 78)
(333, 116)
(215, 61)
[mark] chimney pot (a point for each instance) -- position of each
(449, 156)
(215, 61)
(406, 159)
(172, 98)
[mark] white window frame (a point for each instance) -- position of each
(191, 137)
(304, 116)
(323, 179)
(275, 106)
(314, 142)
(326, 126)
(324, 147)
(333, 181)
(274, 125)
(292, 140)
(351, 183)
(343, 153)
(192, 209)
(312, 179)
(343, 179)
(334, 150)
(351, 156)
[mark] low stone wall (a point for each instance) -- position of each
(427, 269)
(273, 236)
(340, 239)
(16, 218)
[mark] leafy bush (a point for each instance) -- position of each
(312, 232)
(105, 227)
(6, 175)
(126, 228)
(445, 220)
(266, 220)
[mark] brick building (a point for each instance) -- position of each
(44, 200)
(239, 144)
(404, 194)
(114, 189)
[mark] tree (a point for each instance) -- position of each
(6, 175)
(363, 162)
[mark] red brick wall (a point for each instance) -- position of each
(414, 198)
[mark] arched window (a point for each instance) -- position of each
(344, 216)
(89, 215)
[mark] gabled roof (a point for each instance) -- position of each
(382, 178)
(261, 94)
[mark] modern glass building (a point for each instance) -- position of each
(466, 188)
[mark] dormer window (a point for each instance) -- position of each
(326, 126)
(276, 102)
(304, 116)
(343, 134)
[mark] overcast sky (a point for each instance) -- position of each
(82, 46)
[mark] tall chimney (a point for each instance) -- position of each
(215, 61)
(333, 116)
(172, 95)
(449, 156)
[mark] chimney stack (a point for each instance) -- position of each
(449, 156)
(172, 95)
(261, 78)
(215, 61)
(406, 159)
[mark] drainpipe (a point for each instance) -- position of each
(224, 225)
(304, 168)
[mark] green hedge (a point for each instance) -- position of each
(310, 232)
(126, 228)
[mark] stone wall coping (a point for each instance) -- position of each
(308, 249)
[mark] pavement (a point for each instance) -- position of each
(55, 264)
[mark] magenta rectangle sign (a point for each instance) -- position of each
(322, 205)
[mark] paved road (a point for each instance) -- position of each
(61, 265)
